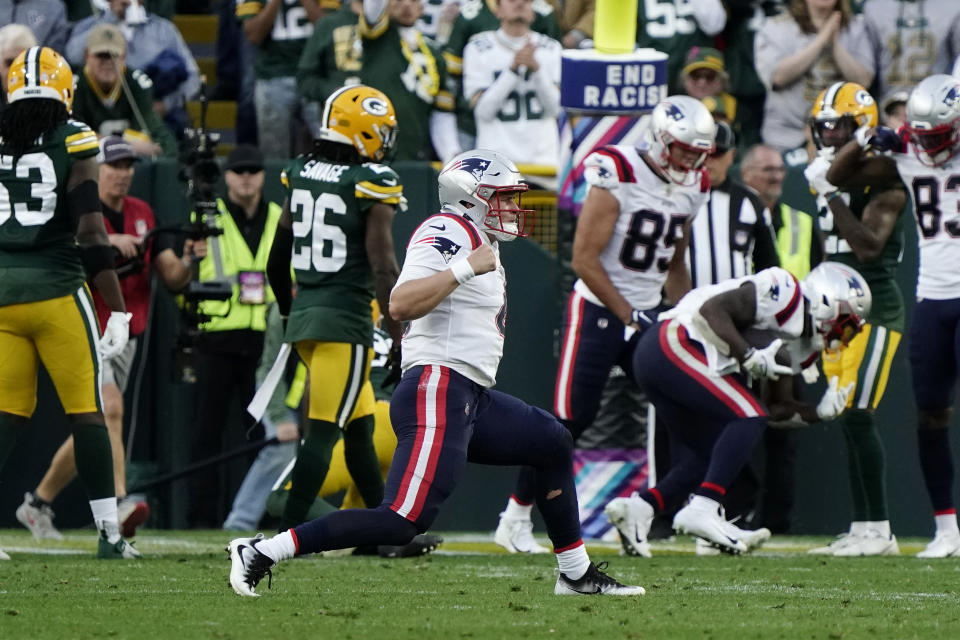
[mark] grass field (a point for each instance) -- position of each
(469, 589)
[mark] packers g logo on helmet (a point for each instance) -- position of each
(838, 111)
(361, 117)
(40, 72)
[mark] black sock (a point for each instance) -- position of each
(94, 457)
(11, 427)
(310, 470)
(936, 462)
(362, 462)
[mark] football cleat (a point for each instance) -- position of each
(594, 583)
(943, 545)
(753, 538)
(38, 519)
(632, 517)
(516, 536)
(421, 545)
(3, 556)
(872, 543)
(841, 541)
(119, 550)
(248, 566)
(131, 514)
(704, 518)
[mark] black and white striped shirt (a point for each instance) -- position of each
(732, 236)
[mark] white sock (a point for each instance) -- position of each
(858, 528)
(946, 523)
(517, 511)
(105, 517)
(279, 547)
(703, 502)
(883, 526)
(574, 562)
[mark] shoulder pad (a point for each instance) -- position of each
(607, 167)
(78, 139)
(378, 182)
(451, 228)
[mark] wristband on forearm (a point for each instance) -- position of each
(462, 271)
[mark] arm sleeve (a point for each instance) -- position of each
(711, 16)
(443, 134)
(494, 96)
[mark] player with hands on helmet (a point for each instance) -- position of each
(864, 227)
(928, 165)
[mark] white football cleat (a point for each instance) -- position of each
(38, 519)
(248, 566)
(516, 536)
(841, 541)
(632, 517)
(3, 556)
(872, 543)
(594, 583)
(704, 518)
(943, 545)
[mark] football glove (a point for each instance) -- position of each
(816, 175)
(393, 366)
(834, 399)
(762, 363)
(115, 335)
(880, 139)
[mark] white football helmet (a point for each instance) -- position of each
(933, 118)
(685, 123)
(840, 301)
(481, 185)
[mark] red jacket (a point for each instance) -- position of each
(137, 221)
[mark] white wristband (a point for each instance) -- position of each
(462, 271)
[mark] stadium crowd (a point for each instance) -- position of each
(798, 89)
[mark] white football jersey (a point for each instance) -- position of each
(936, 204)
(523, 130)
(653, 212)
(465, 331)
(779, 311)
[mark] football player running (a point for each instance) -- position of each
(926, 158)
(52, 238)
(694, 367)
(863, 226)
(452, 291)
(629, 246)
(335, 234)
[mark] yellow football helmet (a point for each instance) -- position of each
(838, 111)
(361, 117)
(40, 72)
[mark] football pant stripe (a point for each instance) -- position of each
(88, 313)
(432, 420)
(354, 382)
(563, 387)
(677, 347)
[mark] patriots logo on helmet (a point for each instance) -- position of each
(855, 286)
(473, 166)
(673, 111)
(952, 98)
(774, 292)
(447, 247)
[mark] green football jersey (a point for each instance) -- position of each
(39, 259)
(415, 80)
(880, 274)
(332, 54)
(328, 205)
(112, 113)
(277, 55)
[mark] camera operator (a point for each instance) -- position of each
(128, 221)
(231, 331)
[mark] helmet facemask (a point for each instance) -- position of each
(934, 145)
(832, 131)
(504, 203)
